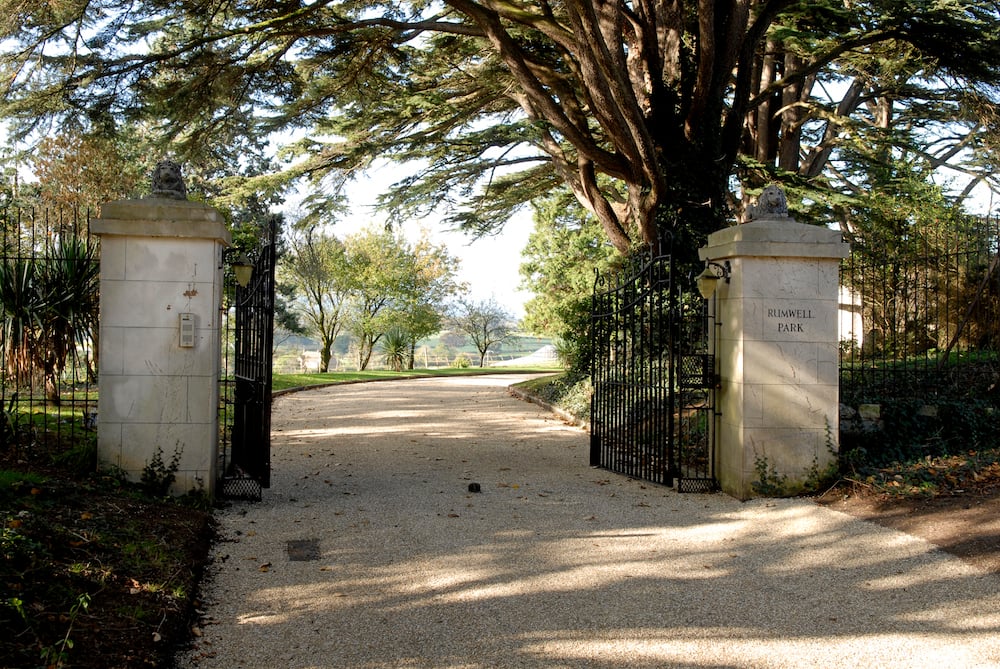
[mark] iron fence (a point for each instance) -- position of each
(49, 292)
(920, 318)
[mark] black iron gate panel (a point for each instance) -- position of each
(246, 459)
(653, 376)
(697, 382)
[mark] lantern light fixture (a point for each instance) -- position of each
(243, 269)
(708, 280)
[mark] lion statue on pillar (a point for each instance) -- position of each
(770, 204)
(168, 181)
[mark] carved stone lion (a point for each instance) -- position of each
(770, 204)
(168, 182)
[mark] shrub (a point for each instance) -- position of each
(907, 433)
(570, 392)
(157, 476)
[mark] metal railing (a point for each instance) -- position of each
(49, 268)
(921, 318)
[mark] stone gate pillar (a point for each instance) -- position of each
(777, 350)
(161, 295)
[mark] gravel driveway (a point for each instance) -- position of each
(370, 551)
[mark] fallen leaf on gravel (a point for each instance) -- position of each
(264, 567)
(453, 515)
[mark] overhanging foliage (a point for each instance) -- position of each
(645, 110)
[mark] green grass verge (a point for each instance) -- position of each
(292, 381)
(13, 479)
(569, 392)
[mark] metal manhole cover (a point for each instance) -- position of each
(303, 550)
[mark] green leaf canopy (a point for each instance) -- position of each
(657, 115)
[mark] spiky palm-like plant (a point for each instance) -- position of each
(396, 349)
(49, 305)
(22, 311)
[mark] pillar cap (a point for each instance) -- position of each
(161, 217)
(775, 238)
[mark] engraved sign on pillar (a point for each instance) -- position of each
(789, 320)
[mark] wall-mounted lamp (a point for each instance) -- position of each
(709, 279)
(243, 269)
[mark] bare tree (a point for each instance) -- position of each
(486, 323)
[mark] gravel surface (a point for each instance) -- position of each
(370, 551)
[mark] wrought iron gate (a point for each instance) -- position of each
(246, 455)
(652, 414)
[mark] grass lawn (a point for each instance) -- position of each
(282, 382)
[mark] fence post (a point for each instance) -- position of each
(161, 293)
(778, 402)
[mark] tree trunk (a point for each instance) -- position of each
(366, 347)
(692, 206)
(52, 387)
(325, 355)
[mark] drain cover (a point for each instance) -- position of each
(303, 550)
